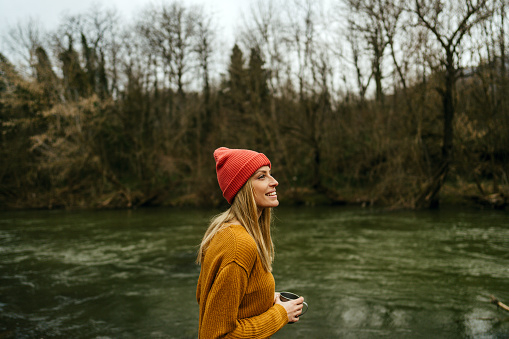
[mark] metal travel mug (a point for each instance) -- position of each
(287, 296)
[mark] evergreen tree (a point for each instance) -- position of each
(45, 76)
(90, 64)
(237, 85)
(258, 87)
(75, 80)
(102, 81)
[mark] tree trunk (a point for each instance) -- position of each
(317, 181)
(428, 198)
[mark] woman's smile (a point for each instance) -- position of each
(272, 194)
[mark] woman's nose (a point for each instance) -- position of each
(274, 182)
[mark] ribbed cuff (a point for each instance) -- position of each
(283, 315)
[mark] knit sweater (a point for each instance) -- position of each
(235, 293)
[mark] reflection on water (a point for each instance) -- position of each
(364, 274)
(405, 274)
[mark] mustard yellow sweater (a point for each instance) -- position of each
(235, 293)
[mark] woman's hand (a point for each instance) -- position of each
(293, 307)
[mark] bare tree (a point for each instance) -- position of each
(169, 32)
(264, 33)
(205, 36)
(204, 49)
(362, 76)
(22, 41)
(371, 20)
(449, 23)
(313, 73)
(390, 16)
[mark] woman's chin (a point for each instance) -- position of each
(273, 204)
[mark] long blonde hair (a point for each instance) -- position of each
(244, 209)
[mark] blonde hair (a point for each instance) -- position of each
(244, 209)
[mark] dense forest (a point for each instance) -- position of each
(401, 103)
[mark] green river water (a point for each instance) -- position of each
(364, 273)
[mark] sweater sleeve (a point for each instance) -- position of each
(220, 316)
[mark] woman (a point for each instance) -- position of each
(236, 288)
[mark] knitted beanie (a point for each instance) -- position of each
(234, 167)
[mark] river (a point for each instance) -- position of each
(364, 273)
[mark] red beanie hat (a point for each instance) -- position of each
(234, 167)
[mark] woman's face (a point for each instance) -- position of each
(264, 186)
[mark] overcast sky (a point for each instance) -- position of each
(49, 12)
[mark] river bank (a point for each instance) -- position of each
(466, 195)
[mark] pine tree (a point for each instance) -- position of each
(46, 77)
(237, 80)
(75, 80)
